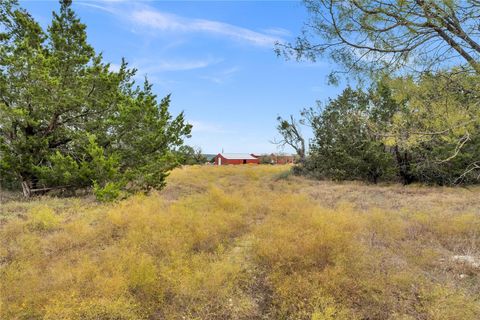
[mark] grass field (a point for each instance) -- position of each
(245, 242)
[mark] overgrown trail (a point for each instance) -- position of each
(245, 242)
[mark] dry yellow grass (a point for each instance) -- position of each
(245, 242)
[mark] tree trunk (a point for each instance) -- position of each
(26, 188)
(403, 163)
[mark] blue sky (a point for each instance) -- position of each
(215, 58)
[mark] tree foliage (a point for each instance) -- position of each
(344, 146)
(383, 36)
(188, 155)
(440, 125)
(422, 118)
(425, 130)
(68, 120)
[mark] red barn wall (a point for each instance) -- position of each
(226, 161)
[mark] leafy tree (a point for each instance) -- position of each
(440, 125)
(386, 35)
(66, 119)
(266, 159)
(430, 114)
(344, 145)
(425, 130)
(188, 155)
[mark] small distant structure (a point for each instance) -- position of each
(282, 158)
(275, 158)
(235, 158)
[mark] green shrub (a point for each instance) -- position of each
(109, 192)
(43, 219)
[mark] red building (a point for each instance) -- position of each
(235, 158)
(282, 158)
(274, 158)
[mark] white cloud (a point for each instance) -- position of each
(108, 8)
(222, 76)
(174, 65)
(114, 67)
(173, 23)
(146, 16)
(280, 32)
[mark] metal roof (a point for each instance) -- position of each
(237, 156)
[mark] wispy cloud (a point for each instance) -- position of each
(155, 71)
(114, 67)
(280, 32)
(221, 76)
(154, 67)
(173, 65)
(173, 23)
(166, 22)
(107, 8)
